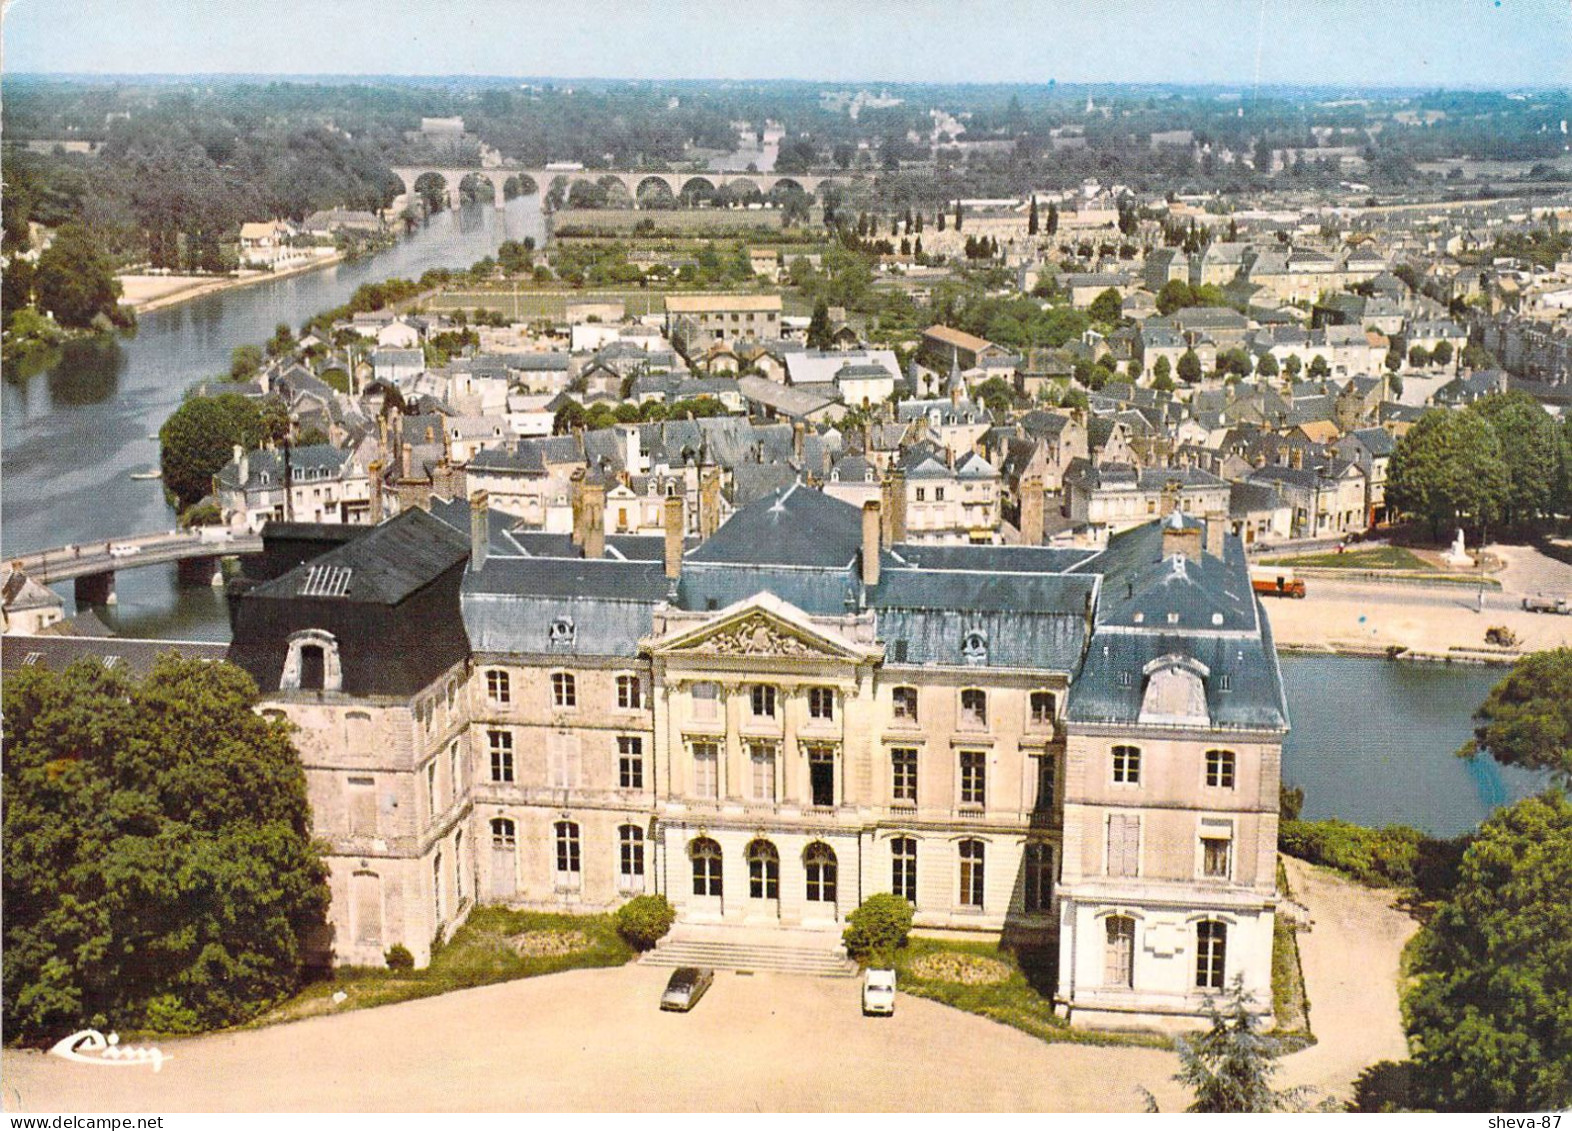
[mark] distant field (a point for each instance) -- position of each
(1378, 557)
(525, 305)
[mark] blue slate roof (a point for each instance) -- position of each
(791, 526)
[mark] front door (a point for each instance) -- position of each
(764, 881)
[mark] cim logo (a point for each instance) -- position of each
(89, 1046)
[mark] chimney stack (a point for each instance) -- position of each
(709, 500)
(407, 470)
(894, 492)
(1180, 538)
(243, 463)
(870, 543)
(375, 472)
(479, 530)
(796, 442)
(1216, 531)
(1032, 511)
(674, 532)
(592, 514)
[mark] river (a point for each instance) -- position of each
(73, 433)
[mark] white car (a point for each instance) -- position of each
(123, 550)
(878, 992)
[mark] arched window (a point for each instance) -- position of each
(312, 662)
(569, 865)
(819, 863)
(764, 871)
(1211, 952)
(1119, 958)
(706, 856)
(630, 859)
(903, 868)
(972, 853)
(1039, 878)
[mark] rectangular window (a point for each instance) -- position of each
(1043, 802)
(1210, 954)
(569, 863)
(630, 696)
(706, 770)
(1127, 765)
(706, 701)
(905, 704)
(564, 693)
(938, 494)
(1215, 854)
(903, 775)
(821, 703)
(972, 873)
(432, 807)
(630, 762)
(501, 744)
(922, 494)
(630, 862)
(974, 778)
(1220, 769)
(903, 868)
(761, 755)
(1042, 708)
(1124, 844)
(562, 760)
(762, 698)
(498, 688)
(1038, 897)
(821, 775)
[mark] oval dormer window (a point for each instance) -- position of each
(974, 648)
(561, 632)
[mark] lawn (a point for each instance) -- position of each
(1023, 1000)
(486, 949)
(1377, 557)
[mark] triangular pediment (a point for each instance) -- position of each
(762, 626)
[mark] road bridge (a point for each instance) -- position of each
(93, 565)
(670, 185)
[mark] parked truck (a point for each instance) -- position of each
(1276, 581)
(1539, 603)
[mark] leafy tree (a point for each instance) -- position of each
(1266, 365)
(1162, 382)
(1133, 370)
(75, 281)
(1418, 357)
(1189, 367)
(1478, 357)
(1107, 307)
(158, 868)
(878, 927)
(1490, 1014)
(1031, 218)
(997, 394)
(1175, 295)
(1229, 1068)
(1163, 371)
(1292, 366)
(1526, 720)
(1531, 447)
(199, 438)
(1442, 354)
(957, 215)
(819, 327)
(1448, 468)
(1319, 368)
(244, 362)
(1052, 225)
(1235, 361)
(282, 342)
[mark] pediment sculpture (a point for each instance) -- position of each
(755, 636)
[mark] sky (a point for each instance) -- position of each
(1352, 43)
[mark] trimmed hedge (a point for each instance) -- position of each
(1394, 856)
(644, 920)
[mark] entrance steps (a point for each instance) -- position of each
(812, 953)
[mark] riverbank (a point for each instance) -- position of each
(145, 293)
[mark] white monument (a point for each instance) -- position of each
(1457, 555)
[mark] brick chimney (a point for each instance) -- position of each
(1032, 511)
(674, 531)
(1216, 532)
(1180, 538)
(479, 530)
(870, 543)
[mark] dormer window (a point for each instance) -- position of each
(974, 648)
(561, 632)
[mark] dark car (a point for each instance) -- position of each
(686, 987)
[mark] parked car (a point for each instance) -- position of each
(878, 992)
(1539, 603)
(685, 987)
